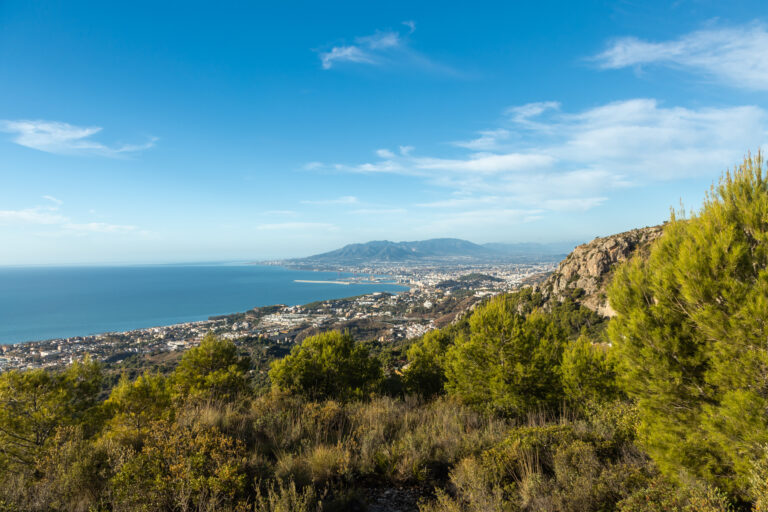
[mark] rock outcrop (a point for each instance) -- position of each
(590, 266)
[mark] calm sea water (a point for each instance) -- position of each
(44, 303)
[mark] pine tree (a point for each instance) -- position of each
(692, 332)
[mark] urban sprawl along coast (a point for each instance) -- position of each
(436, 295)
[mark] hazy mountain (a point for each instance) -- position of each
(434, 249)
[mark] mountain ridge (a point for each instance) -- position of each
(432, 249)
(588, 270)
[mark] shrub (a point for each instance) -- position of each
(180, 468)
(328, 365)
(425, 374)
(134, 405)
(211, 371)
(587, 373)
(34, 403)
(508, 363)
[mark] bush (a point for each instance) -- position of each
(328, 365)
(508, 363)
(180, 468)
(134, 405)
(557, 466)
(587, 373)
(34, 403)
(211, 371)
(425, 374)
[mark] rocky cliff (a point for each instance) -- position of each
(590, 267)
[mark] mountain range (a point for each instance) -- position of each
(437, 249)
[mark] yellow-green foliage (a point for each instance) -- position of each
(180, 468)
(327, 365)
(425, 374)
(34, 403)
(587, 372)
(211, 371)
(508, 362)
(691, 334)
(557, 465)
(134, 405)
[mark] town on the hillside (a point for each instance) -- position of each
(436, 296)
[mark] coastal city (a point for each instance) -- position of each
(435, 296)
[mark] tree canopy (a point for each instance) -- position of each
(691, 334)
(327, 365)
(212, 370)
(507, 362)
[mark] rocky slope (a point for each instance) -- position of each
(590, 267)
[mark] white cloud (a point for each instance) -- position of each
(312, 166)
(380, 40)
(379, 211)
(488, 140)
(461, 202)
(406, 150)
(388, 48)
(491, 218)
(345, 54)
(49, 216)
(384, 153)
(385, 166)
(640, 138)
(737, 56)
(523, 113)
(57, 202)
(574, 161)
(98, 227)
(36, 215)
(64, 138)
(338, 200)
(296, 226)
(581, 204)
(486, 163)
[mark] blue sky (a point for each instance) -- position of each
(191, 131)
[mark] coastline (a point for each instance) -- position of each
(244, 291)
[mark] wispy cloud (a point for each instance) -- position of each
(488, 140)
(379, 211)
(544, 159)
(346, 54)
(522, 114)
(296, 226)
(64, 138)
(50, 217)
(36, 215)
(57, 202)
(737, 56)
(383, 48)
(99, 227)
(338, 200)
(385, 153)
(282, 213)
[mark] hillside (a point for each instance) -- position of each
(590, 267)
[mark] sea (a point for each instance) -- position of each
(38, 303)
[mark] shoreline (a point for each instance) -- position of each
(210, 318)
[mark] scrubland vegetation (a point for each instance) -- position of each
(521, 405)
